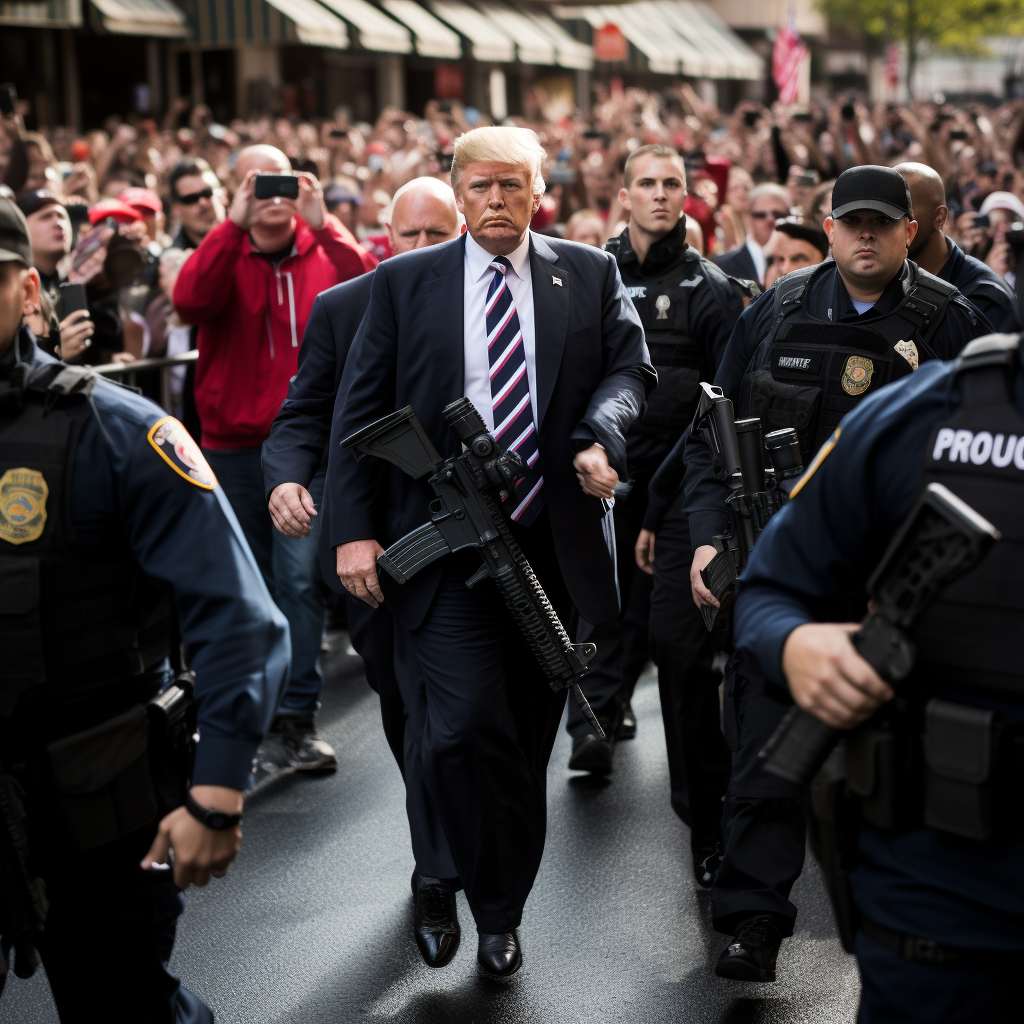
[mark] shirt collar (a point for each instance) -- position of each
(478, 259)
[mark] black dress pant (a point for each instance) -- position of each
(698, 758)
(765, 832)
(622, 644)
(372, 632)
(483, 731)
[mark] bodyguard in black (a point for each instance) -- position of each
(688, 308)
(802, 355)
(110, 522)
(295, 457)
(938, 890)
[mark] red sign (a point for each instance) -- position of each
(449, 82)
(610, 44)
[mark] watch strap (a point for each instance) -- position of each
(217, 820)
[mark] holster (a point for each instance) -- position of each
(879, 771)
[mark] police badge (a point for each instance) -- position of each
(23, 494)
(661, 304)
(908, 350)
(857, 375)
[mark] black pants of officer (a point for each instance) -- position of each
(372, 632)
(109, 933)
(622, 644)
(698, 758)
(765, 833)
(482, 727)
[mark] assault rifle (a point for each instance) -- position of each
(466, 514)
(755, 495)
(942, 538)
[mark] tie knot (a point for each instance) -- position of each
(501, 263)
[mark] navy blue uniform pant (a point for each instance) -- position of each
(698, 758)
(765, 833)
(481, 728)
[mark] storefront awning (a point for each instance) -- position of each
(221, 23)
(569, 52)
(741, 61)
(646, 38)
(532, 45)
(432, 38)
(42, 14)
(142, 18)
(487, 41)
(376, 30)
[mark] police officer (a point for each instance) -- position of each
(937, 886)
(934, 251)
(110, 523)
(688, 308)
(802, 355)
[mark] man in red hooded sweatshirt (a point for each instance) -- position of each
(250, 287)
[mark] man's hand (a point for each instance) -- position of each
(701, 558)
(76, 331)
(596, 477)
(643, 551)
(827, 676)
(357, 570)
(197, 852)
(240, 210)
(310, 204)
(291, 506)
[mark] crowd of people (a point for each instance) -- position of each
(268, 247)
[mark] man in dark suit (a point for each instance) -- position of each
(768, 204)
(541, 336)
(294, 468)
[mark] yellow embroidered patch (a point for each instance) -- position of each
(823, 453)
(173, 443)
(23, 494)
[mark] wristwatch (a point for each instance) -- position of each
(217, 820)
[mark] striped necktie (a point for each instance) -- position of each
(510, 392)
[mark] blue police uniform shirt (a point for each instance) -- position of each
(811, 564)
(187, 540)
(828, 298)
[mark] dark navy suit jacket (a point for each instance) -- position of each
(593, 377)
(739, 263)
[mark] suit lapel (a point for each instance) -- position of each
(445, 309)
(550, 317)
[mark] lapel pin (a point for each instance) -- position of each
(556, 280)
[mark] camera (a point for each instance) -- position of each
(270, 185)
(847, 112)
(751, 117)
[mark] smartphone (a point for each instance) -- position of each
(87, 245)
(958, 134)
(807, 179)
(270, 185)
(339, 133)
(8, 97)
(803, 115)
(751, 117)
(847, 112)
(982, 220)
(445, 161)
(72, 298)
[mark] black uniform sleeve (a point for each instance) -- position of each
(960, 325)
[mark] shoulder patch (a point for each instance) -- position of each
(23, 494)
(823, 453)
(173, 443)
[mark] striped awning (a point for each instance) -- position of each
(376, 31)
(142, 18)
(223, 23)
(432, 37)
(487, 40)
(532, 45)
(45, 14)
(569, 52)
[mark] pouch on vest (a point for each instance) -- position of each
(960, 751)
(875, 763)
(671, 405)
(780, 405)
(103, 779)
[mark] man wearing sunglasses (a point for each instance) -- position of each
(196, 202)
(768, 204)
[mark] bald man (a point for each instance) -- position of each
(294, 466)
(250, 287)
(934, 251)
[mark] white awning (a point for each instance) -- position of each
(314, 26)
(741, 60)
(706, 59)
(142, 18)
(431, 37)
(488, 41)
(534, 46)
(376, 30)
(661, 55)
(569, 52)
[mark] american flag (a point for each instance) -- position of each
(786, 58)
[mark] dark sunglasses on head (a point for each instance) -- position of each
(774, 214)
(194, 197)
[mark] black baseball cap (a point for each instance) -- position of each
(33, 202)
(14, 242)
(872, 187)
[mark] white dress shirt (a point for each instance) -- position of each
(477, 280)
(758, 256)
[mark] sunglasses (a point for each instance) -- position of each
(193, 197)
(774, 214)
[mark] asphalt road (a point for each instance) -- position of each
(313, 924)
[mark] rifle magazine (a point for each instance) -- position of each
(413, 552)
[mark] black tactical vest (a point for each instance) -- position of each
(973, 635)
(76, 623)
(809, 372)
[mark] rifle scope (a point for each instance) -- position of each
(748, 440)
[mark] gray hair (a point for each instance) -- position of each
(771, 189)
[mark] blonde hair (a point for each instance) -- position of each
(518, 146)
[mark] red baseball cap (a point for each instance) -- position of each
(142, 199)
(121, 212)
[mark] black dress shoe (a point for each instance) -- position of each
(627, 727)
(304, 750)
(751, 954)
(436, 924)
(499, 955)
(707, 858)
(589, 754)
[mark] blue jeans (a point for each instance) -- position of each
(288, 564)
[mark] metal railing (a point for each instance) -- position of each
(128, 371)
